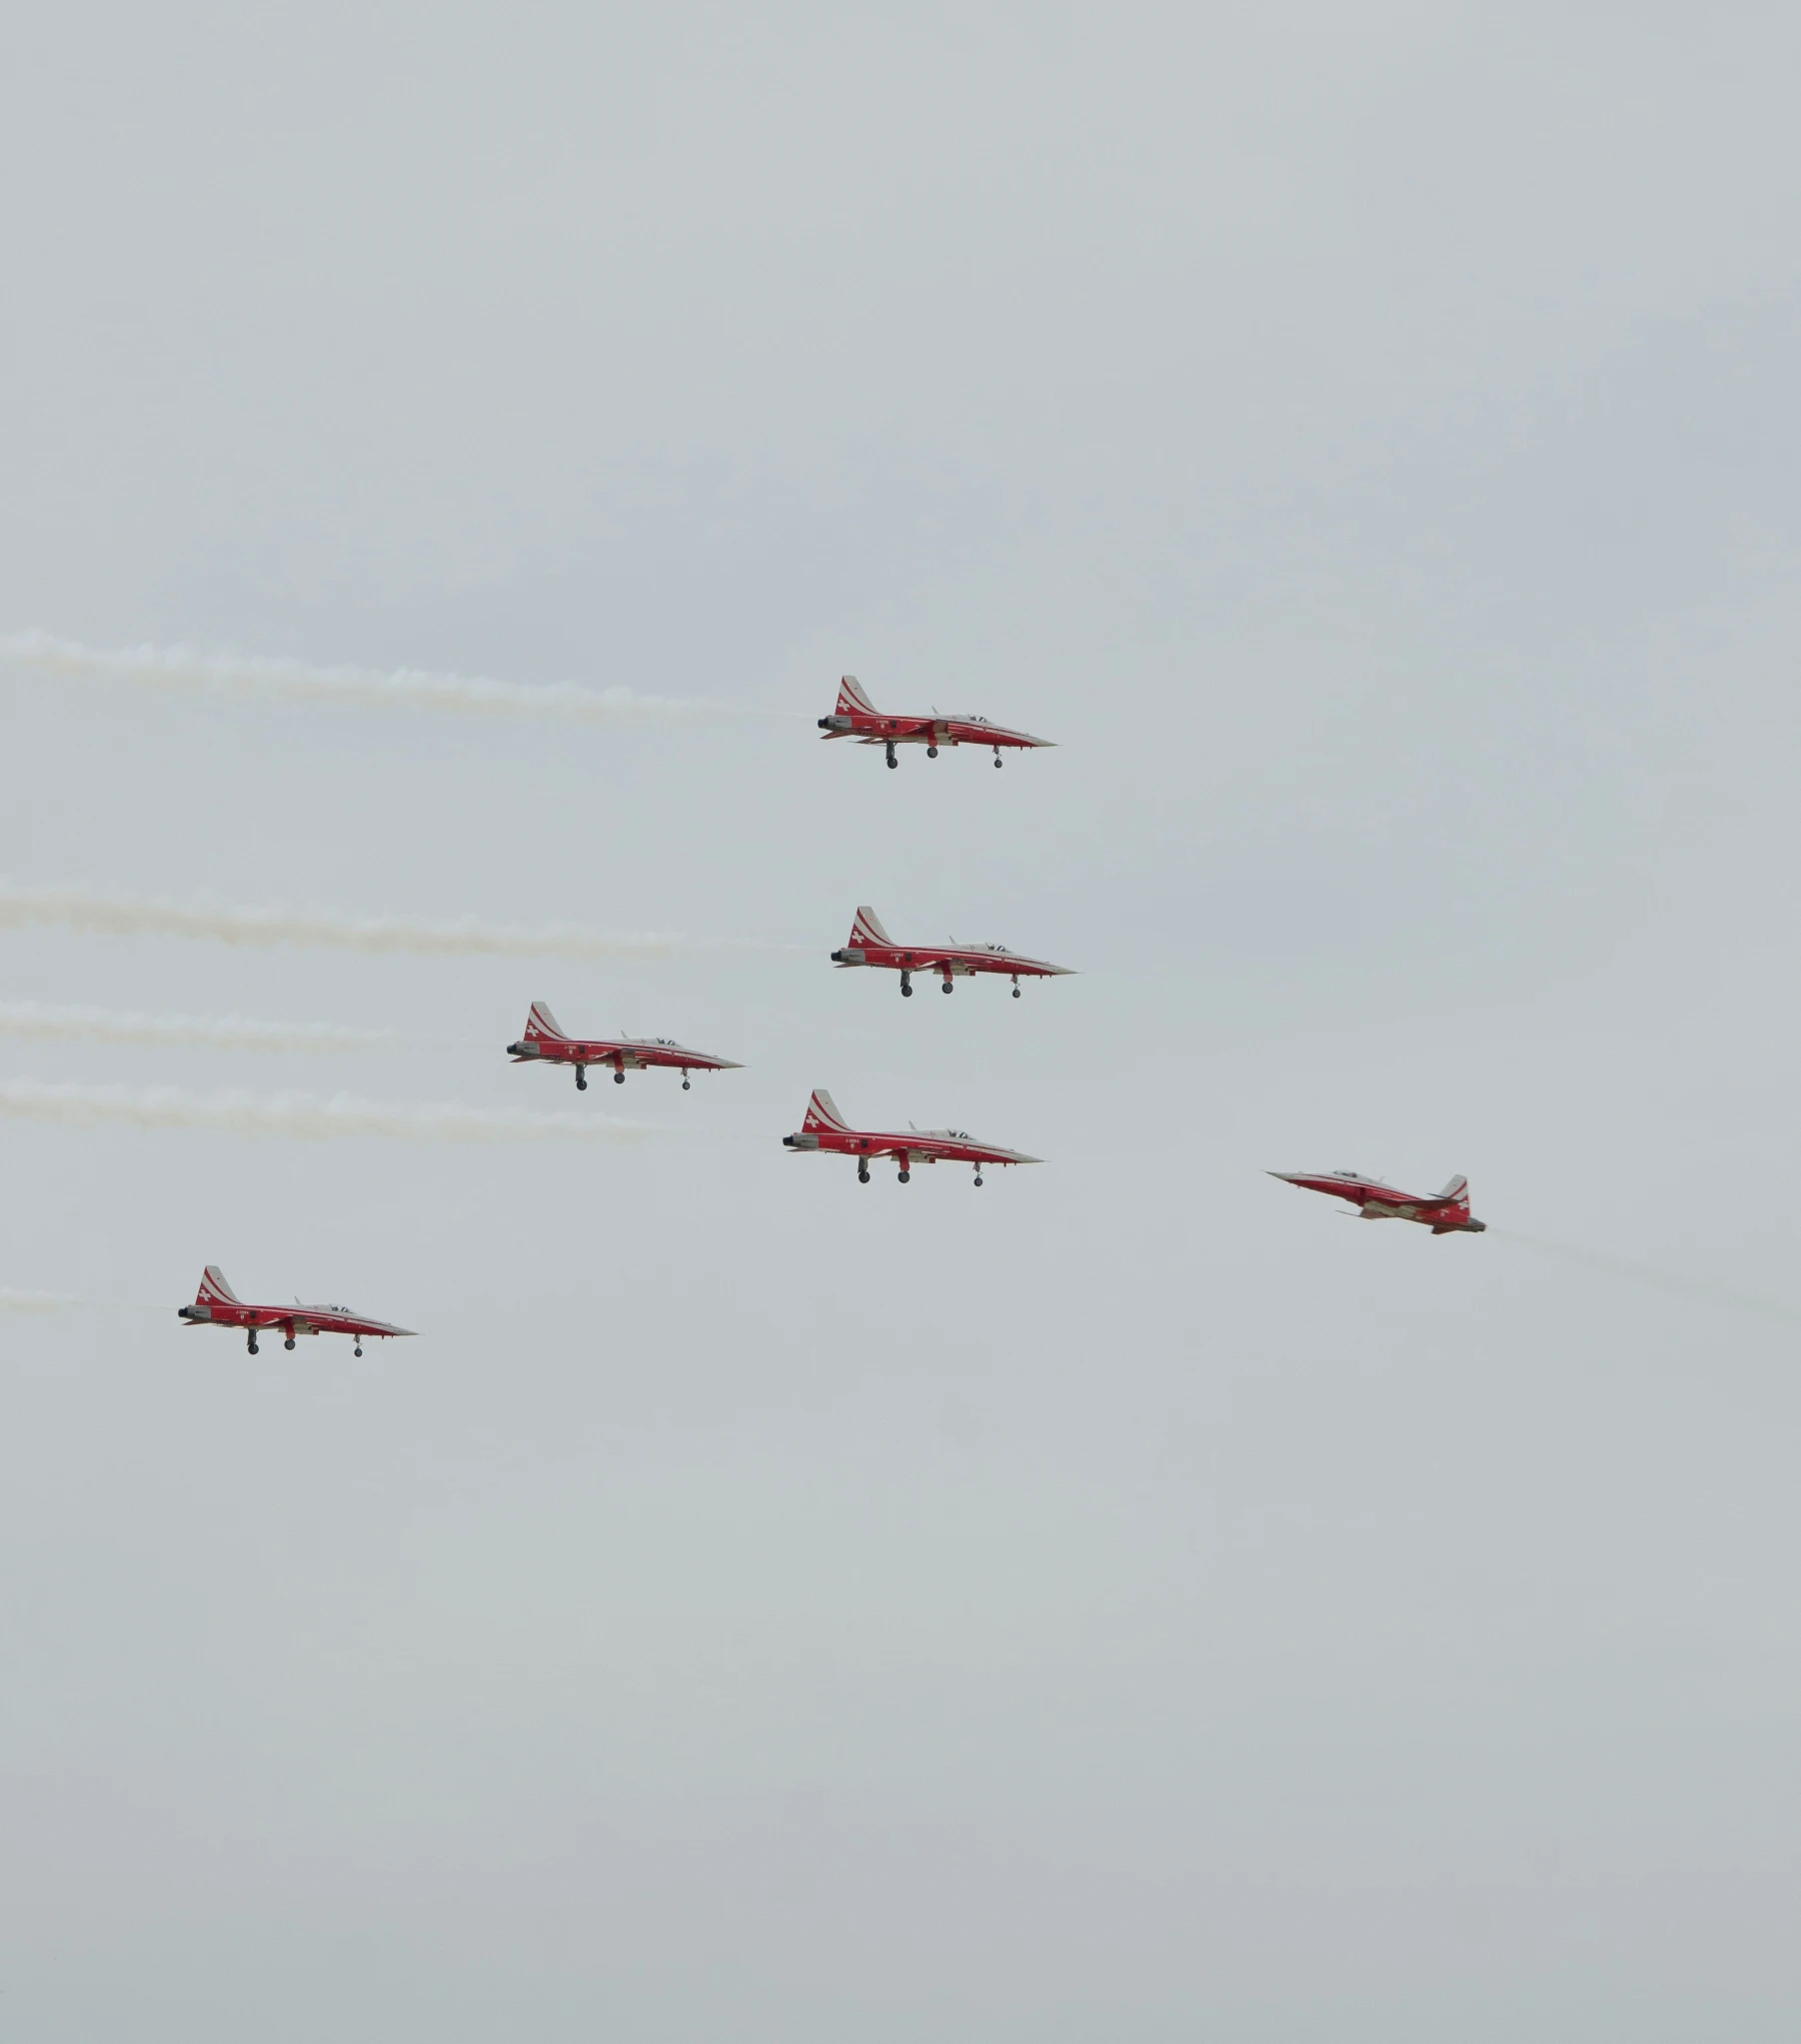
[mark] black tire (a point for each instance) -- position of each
(907, 989)
(862, 1176)
(892, 762)
(618, 1078)
(1015, 993)
(905, 1176)
(289, 1342)
(931, 752)
(998, 759)
(581, 1083)
(948, 986)
(357, 1350)
(685, 1085)
(978, 1184)
(251, 1345)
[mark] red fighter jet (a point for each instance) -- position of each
(871, 944)
(217, 1305)
(544, 1041)
(856, 717)
(1445, 1213)
(826, 1128)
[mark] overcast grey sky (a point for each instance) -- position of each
(1130, 1603)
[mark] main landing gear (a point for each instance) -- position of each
(288, 1342)
(948, 988)
(905, 1176)
(892, 762)
(618, 1078)
(907, 985)
(931, 752)
(581, 1079)
(863, 1174)
(251, 1344)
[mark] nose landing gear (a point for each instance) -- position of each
(1015, 986)
(685, 1082)
(996, 756)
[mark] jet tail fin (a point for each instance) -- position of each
(852, 699)
(821, 1113)
(542, 1027)
(868, 929)
(1458, 1190)
(213, 1290)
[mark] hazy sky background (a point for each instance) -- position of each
(1130, 1603)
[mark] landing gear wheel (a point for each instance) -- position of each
(905, 1176)
(892, 762)
(289, 1342)
(1015, 993)
(357, 1350)
(931, 752)
(684, 1087)
(618, 1078)
(979, 1181)
(996, 758)
(949, 988)
(862, 1174)
(581, 1082)
(907, 988)
(251, 1344)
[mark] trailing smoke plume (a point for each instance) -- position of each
(1658, 1279)
(300, 1115)
(184, 667)
(117, 914)
(50, 1021)
(32, 1301)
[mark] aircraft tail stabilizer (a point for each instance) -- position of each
(868, 929)
(542, 1027)
(852, 699)
(1457, 1189)
(213, 1290)
(821, 1113)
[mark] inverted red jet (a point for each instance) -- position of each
(826, 1128)
(217, 1305)
(544, 1041)
(1445, 1212)
(856, 717)
(871, 944)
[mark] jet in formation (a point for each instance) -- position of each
(825, 1128)
(217, 1305)
(1445, 1212)
(856, 717)
(546, 1043)
(871, 944)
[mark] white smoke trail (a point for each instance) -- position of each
(300, 1115)
(184, 667)
(50, 1021)
(33, 1301)
(109, 913)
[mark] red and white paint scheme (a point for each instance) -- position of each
(856, 717)
(825, 1128)
(871, 944)
(545, 1041)
(1445, 1213)
(217, 1305)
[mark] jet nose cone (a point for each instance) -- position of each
(1287, 1178)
